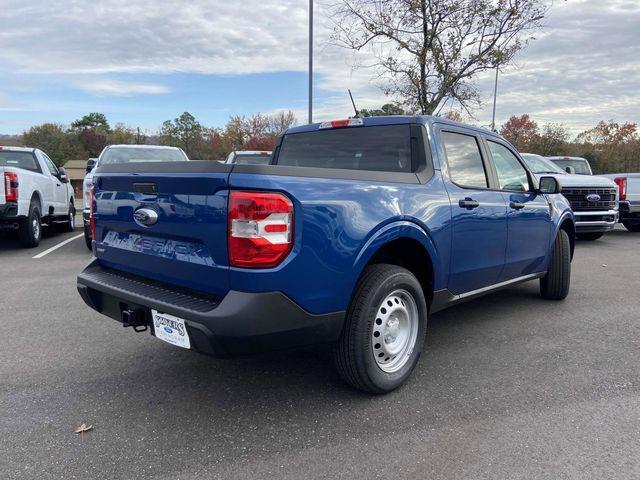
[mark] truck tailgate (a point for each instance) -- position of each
(187, 243)
(633, 188)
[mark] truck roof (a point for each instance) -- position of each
(17, 149)
(399, 120)
(126, 145)
(565, 157)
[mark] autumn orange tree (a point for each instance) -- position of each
(610, 146)
(520, 131)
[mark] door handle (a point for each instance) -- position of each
(517, 205)
(468, 203)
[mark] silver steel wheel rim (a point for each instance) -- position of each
(36, 228)
(395, 331)
(72, 219)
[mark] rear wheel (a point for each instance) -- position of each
(589, 236)
(632, 226)
(30, 231)
(555, 285)
(384, 330)
(70, 224)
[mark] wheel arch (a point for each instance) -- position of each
(405, 244)
(36, 195)
(568, 225)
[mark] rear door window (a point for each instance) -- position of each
(464, 159)
(381, 148)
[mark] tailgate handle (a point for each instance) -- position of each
(148, 188)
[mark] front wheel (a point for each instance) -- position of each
(555, 285)
(384, 330)
(632, 226)
(589, 236)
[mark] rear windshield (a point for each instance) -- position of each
(24, 160)
(383, 148)
(128, 155)
(251, 159)
(581, 166)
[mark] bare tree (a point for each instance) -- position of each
(428, 51)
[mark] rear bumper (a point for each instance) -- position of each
(9, 211)
(239, 323)
(599, 221)
(629, 211)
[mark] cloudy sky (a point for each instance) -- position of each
(144, 61)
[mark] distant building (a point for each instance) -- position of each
(76, 170)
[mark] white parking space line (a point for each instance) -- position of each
(55, 247)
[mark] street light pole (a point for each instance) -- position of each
(495, 96)
(310, 61)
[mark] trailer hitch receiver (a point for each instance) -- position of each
(135, 318)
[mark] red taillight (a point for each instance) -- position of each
(92, 225)
(260, 229)
(11, 186)
(622, 187)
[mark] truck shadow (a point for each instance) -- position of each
(276, 390)
(9, 239)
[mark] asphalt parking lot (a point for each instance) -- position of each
(510, 387)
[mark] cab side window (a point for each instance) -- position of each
(512, 175)
(464, 159)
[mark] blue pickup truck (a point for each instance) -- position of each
(353, 235)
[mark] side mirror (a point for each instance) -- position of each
(63, 175)
(91, 163)
(549, 185)
(570, 170)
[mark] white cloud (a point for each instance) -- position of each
(118, 88)
(585, 66)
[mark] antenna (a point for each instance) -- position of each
(354, 104)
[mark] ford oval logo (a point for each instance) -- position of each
(593, 197)
(168, 329)
(145, 217)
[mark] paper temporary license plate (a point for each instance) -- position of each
(170, 329)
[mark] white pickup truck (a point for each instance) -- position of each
(34, 193)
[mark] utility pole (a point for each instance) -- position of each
(310, 61)
(495, 96)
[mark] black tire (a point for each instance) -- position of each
(70, 224)
(555, 285)
(354, 352)
(30, 230)
(632, 226)
(589, 236)
(87, 237)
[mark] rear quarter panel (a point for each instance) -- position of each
(30, 183)
(338, 226)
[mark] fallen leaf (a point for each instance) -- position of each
(84, 428)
